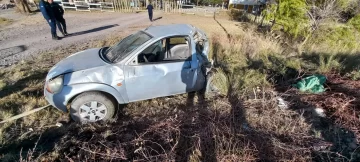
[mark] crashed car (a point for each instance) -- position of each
(156, 62)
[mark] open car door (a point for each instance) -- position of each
(162, 69)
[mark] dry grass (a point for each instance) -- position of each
(254, 64)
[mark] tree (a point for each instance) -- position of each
(289, 16)
(323, 12)
(23, 6)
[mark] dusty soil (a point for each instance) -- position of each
(32, 33)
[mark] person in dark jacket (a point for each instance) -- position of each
(49, 16)
(150, 11)
(59, 16)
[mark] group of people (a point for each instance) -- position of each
(53, 14)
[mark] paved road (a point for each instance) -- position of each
(31, 35)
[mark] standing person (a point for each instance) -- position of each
(59, 17)
(49, 16)
(150, 11)
(132, 5)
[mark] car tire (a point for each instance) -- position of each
(92, 107)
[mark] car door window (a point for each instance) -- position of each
(178, 49)
(166, 50)
(152, 53)
(125, 46)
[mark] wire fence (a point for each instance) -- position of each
(135, 6)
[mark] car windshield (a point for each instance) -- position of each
(125, 46)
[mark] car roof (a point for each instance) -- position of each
(168, 30)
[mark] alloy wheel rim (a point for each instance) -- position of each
(93, 111)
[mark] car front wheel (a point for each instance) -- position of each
(92, 107)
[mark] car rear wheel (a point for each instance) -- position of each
(92, 107)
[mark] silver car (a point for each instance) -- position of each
(156, 62)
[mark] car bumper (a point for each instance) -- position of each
(56, 100)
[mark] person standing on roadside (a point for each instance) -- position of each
(150, 11)
(59, 17)
(132, 5)
(49, 16)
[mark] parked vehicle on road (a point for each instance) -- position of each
(156, 62)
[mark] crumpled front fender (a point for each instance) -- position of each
(87, 87)
(68, 92)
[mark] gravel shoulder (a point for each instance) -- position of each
(30, 35)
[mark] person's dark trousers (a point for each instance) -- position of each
(52, 24)
(61, 23)
(150, 16)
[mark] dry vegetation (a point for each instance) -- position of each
(243, 123)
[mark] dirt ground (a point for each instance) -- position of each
(32, 34)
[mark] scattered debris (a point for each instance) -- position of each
(312, 84)
(321, 145)
(282, 104)
(59, 124)
(319, 112)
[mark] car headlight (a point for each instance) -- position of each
(54, 85)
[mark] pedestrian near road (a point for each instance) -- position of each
(150, 11)
(59, 17)
(132, 5)
(49, 16)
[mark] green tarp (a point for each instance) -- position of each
(312, 84)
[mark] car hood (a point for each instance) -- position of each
(79, 61)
